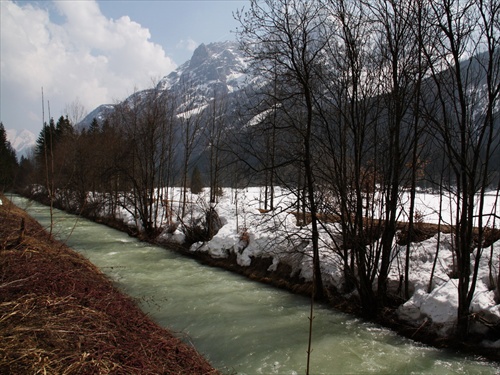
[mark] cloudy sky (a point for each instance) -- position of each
(89, 52)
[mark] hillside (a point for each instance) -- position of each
(60, 314)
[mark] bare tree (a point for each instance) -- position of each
(147, 120)
(214, 135)
(465, 71)
(419, 10)
(349, 142)
(75, 111)
(286, 35)
(189, 122)
(398, 51)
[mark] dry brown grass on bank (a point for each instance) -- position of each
(60, 315)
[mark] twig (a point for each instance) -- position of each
(16, 281)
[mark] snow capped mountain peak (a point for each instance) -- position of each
(215, 70)
(200, 55)
(214, 67)
(21, 141)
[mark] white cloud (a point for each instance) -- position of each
(88, 56)
(187, 44)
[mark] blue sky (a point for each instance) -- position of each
(96, 52)
(177, 25)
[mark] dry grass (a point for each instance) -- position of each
(60, 315)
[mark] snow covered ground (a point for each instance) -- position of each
(247, 232)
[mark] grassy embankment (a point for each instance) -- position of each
(60, 315)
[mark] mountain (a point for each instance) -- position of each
(23, 141)
(100, 113)
(214, 69)
(216, 75)
(216, 66)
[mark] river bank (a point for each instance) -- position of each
(60, 314)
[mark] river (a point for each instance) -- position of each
(242, 326)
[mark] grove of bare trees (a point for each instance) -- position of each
(378, 97)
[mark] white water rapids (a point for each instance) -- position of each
(242, 326)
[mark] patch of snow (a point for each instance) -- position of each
(257, 119)
(187, 114)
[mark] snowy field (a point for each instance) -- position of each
(248, 232)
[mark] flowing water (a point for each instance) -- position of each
(242, 326)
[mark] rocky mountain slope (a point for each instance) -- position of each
(214, 69)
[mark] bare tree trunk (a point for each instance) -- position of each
(466, 128)
(438, 245)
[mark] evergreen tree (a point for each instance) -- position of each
(106, 125)
(196, 181)
(64, 129)
(25, 173)
(94, 126)
(46, 139)
(8, 161)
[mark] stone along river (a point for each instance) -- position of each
(242, 326)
